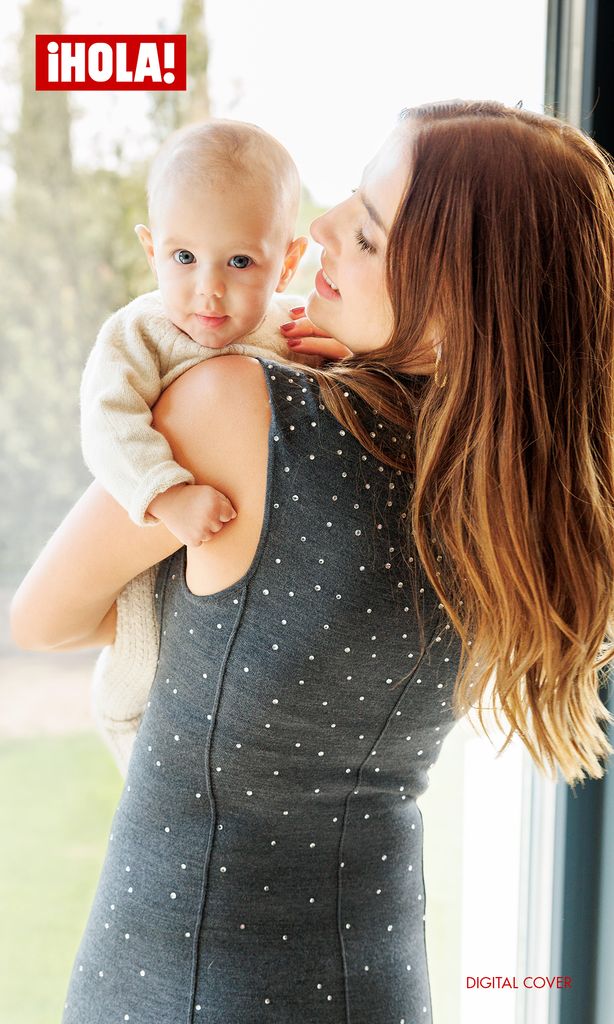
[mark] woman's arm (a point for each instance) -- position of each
(67, 599)
(103, 635)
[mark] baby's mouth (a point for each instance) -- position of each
(211, 320)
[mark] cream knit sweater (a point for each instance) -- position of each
(137, 354)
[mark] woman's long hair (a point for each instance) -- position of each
(505, 238)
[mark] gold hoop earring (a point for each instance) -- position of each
(437, 363)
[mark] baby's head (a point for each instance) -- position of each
(223, 198)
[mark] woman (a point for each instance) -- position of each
(265, 858)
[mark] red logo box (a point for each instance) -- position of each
(135, 63)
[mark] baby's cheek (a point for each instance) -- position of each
(254, 300)
(257, 283)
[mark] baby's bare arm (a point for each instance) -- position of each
(192, 512)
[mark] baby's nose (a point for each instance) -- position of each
(210, 282)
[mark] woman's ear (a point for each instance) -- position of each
(294, 255)
(144, 236)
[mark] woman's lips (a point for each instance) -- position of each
(211, 321)
(323, 288)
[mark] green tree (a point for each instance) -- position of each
(39, 298)
(69, 257)
(171, 110)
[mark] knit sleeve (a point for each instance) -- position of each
(124, 670)
(120, 383)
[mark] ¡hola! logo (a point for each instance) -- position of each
(70, 62)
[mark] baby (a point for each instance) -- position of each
(223, 199)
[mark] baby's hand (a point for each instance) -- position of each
(320, 345)
(192, 512)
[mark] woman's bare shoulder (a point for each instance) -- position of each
(216, 417)
(214, 376)
(214, 401)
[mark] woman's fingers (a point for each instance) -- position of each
(302, 328)
(323, 346)
(303, 336)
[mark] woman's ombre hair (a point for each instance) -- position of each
(505, 239)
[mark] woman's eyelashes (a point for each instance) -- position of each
(239, 262)
(363, 243)
(360, 238)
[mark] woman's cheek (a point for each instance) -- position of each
(366, 288)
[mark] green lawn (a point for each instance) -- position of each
(58, 798)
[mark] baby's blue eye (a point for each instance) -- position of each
(184, 256)
(240, 266)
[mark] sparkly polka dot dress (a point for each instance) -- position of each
(264, 862)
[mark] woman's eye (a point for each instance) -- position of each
(363, 243)
(184, 256)
(240, 262)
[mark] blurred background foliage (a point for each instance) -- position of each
(69, 258)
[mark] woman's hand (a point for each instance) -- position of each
(304, 337)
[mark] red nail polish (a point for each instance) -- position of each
(293, 342)
(298, 309)
(286, 327)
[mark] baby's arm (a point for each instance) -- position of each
(132, 461)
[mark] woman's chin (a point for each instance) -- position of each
(310, 298)
(314, 307)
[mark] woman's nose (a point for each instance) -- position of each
(314, 230)
(320, 229)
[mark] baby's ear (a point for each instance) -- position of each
(293, 257)
(144, 236)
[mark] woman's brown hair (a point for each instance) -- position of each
(505, 238)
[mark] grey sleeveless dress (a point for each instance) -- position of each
(264, 862)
